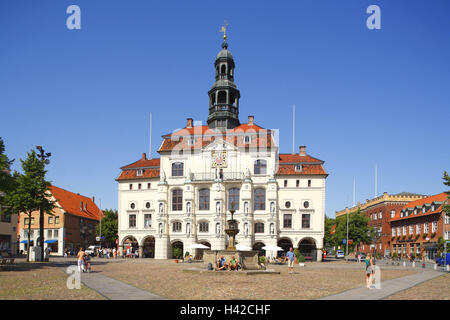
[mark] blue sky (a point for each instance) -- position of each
(363, 97)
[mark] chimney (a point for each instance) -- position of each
(144, 156)
(302, 151)
(189, 123)
(93, 199)
(250, 120)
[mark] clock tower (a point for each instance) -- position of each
(224, 95)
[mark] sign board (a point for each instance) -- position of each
(350, 241)
(97, 238)
(344, 241)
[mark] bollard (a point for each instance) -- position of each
(404, 263)
(448, 267)
(414, 264)
(435, 266)
(423, 265)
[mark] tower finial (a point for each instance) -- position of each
(224, 30)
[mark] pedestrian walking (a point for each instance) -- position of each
(80, 256)
(290, 256)
(370, 270)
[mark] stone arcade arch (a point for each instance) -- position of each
(148, 247)
(286, 244)
(177, 244)
(199, 255)
(130, 245)
(308, 248)
(258, 246)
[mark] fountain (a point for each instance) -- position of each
(247, 259)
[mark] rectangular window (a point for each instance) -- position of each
(399, 233)
(404, 230)
(309, 183)
(56, 220)
(26, 221)
(425, 228)
(132, 221)
(131, 186)
(434, 226)
(177, 200)
(203, 199)
(204, 227)
(149, 185)
(176, 227)
(260, 199)
(50, 220)
(380, 215)
(411, 229)
(259, 227)
(287, 221)
(297, 183)
(447, 219)
(49, 233)
(306, 219)
(5, 217)
(447, 235)
(147, 220)
(393, 232)
(32, 220)
(55, 233)
(392, 213)
(139, 186)
(418, 228)
(285, 183)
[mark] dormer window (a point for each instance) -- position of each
(140, 172)
(423, 210)
(298, 168)
(415, 211)
(81, 206)
(433, 208)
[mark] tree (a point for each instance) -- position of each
(358, 229)
(29, 191)
(446, 179)
(109, 227)
(329, 240)
(6, 179)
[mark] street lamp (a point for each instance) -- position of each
(44, 158)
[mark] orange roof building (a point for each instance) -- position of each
(70, 226)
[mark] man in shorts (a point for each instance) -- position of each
(290, 256)
(80, 256)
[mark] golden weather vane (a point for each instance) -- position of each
(224, 30)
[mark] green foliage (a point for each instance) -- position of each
(29, 191)
(358, 230)
(109, 227)
(299, 256)
(187, 254)
(440, 245)
(262, 259)
(6, 179)
(177, 253)
(446, 182)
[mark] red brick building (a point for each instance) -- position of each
(415, 229)
(380, 210)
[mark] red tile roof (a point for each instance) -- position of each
(441, 197)
(204, 136)
(71, 203)
(143, 163)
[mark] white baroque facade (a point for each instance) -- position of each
(185, 196)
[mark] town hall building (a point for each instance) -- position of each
(207, 172)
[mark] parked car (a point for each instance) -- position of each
(340, 254)
(362, 256)
(92, 250)
(443, 260)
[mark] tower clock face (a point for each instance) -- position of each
(219, 159)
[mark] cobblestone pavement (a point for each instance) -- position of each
(167, 279)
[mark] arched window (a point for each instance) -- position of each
(260, 167)
(259, 199)
(259, 227)
(203, 199)
(203, 227)
(177, 200)
(222, 97)
(176, 226)
(223, 69)
(233, 199)
(177, 169)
